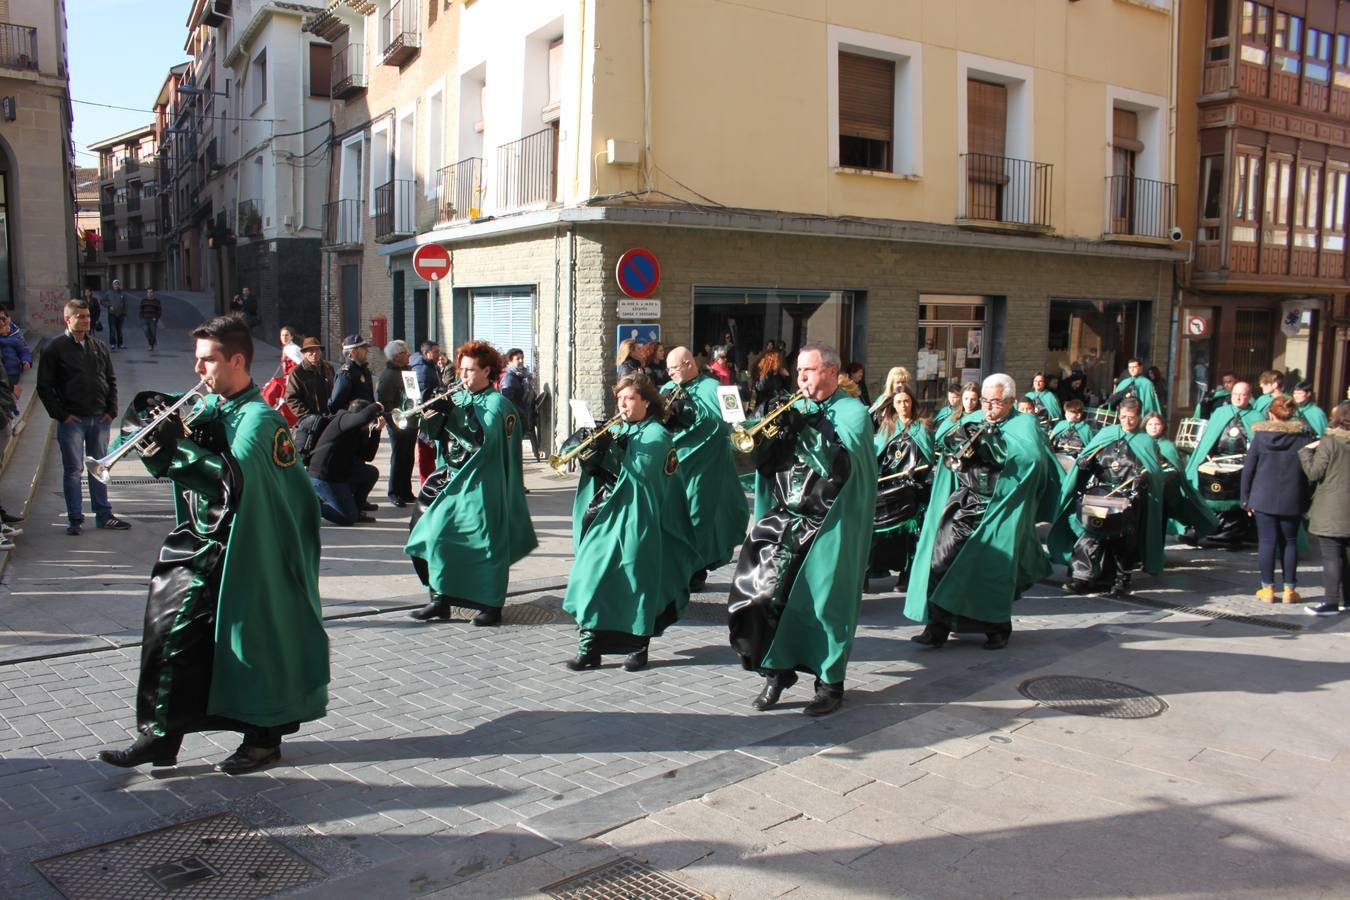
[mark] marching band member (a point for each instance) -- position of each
(1306, 408)
(1182, 506)
(1272, 386)
(897, 376)
(1216, 397)
(1110, 516)
(978, 549)
(798, 587)
(1135, 384)
(234, 636)
(953, 409)
(630, 526)
(471, 522)
(1046, 404)
(1220, 451)
(905, 463)
(702, 441)
(1072, 433)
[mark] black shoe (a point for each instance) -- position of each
(774, 686)
(436, 609)
(931, 637)
(249, 759)
(1323, 609)
(698, 581)
(1120, 590)
(488, 617)
(9, 519)
(157, 751)
(635, 661)
(112, 523)
(1081, 588)
(368, 507)
(996, 640)
(583, 661)
(828, 699)
(398, 502)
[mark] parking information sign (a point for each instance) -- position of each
(638, 272)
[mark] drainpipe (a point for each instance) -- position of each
(647, 92)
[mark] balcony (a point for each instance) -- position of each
(110, 244)
(342, 225)
(135, 241)
(131, 164)
(400, 39)
(18, 47)
(525, 174)
(105, 207)
(395, 210)
(349, 71)
(459, 191)
(250, 218)
(134, 202)
(1138, 208)
(1005, 194)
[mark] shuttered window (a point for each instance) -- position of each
(1125, 132)
(866, 111)
(986, 117)
(504, 317)
(320, 70)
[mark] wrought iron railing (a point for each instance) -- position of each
(18, 47)
(1011, 191)
(399, 32)
(135, 241)
(250, 218)
(1139, 206)
(395, 209)
(342, 223)
(133, 201)
(525, 174)
(459, 191)
(349, 71)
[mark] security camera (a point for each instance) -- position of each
(1174, 234)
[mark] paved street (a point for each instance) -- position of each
(470, 762)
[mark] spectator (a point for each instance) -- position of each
(856, 371)
(8, 396)
(13, 349)
(1155, 376)
(78, 388)
(391, 396)
(518, 386)
(426, 365)
(656, 363)
(151, 311)
(1327, 462)
(1275, 493)
(772, 382)
(290, 351)
(340, 468)
(311, 383)
(250, 307)
(354, 381)
(720, 367)
(95, 309)
(627, 359)
(115, 304)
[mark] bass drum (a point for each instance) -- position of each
(1220, 480)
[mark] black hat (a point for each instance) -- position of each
(353, 342)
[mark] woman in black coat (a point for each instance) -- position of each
(1275, 492)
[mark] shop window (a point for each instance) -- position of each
(1096, 337)
(748, 317)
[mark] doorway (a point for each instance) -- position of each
(951, 345)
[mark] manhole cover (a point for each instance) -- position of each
(623, 879)
(709, 608)
(218, 856)
(515, 614)
(1092, 697)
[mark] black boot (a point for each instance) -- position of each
(488, 617)
(699, 580)
(438, 608)
(1121, 588)
(997, 640)
(158, 751)
(829, 697)
(931, 636)
(774, 685)
(249, 759)
(636, 660)
(587, 656)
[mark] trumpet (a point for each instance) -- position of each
(101, 468)
(402, 418)
(560, 463)
(743, 439)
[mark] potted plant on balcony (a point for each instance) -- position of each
(252, 223)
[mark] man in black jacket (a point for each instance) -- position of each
(354, 381)
(310, 383)
(77, 386)
(392, 395)
(340, 468)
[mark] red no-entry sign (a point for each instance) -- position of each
(431, 262)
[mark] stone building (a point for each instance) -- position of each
(129, 206)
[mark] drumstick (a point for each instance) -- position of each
(904, 473)
(1124, 485)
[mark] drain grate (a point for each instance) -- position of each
(140, 479)
(1206, 612)
(515, 614)
(623, 879)
(218, 856)
(1092, 697)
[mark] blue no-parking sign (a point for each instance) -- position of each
(638, 272)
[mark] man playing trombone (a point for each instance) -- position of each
(798, 586)
(234, 636)
(471, 522)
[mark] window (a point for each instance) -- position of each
(320, 70)
(1333, 207)
(1307, 187)
(379, 162)
(1246, 194)
(1279, 190)
(1288, 42)
(1255, 32)
(435, 138)
(1219, 44)
(257, 80)
(866, 111)
(1342, 76)
(1317, 63)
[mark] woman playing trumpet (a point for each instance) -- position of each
(905, 464)
(630, 527)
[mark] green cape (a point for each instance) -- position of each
(924, 443)
(1262, 403)
(1148, 398)
(271, 652)
(1312, 414)
(717, 506)
(1049, 401)
(815, 630)
(1218, 424)
(1002, 557)
(636, 556)
(1219, 399)
(1182, 502)
(478, 525)
(1068, 525)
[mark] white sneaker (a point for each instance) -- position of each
(6, 544)
(10, 530)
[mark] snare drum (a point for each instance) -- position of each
(1065, 461)
(1189, 432)
(1220, 480)
(1106, 516)
(1100, 417)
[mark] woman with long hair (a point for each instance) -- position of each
(772, 380)
(1182, 505)
(628, 358)
(630, 527)
(905, 467)
(1045, 405)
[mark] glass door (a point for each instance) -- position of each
(951, 341)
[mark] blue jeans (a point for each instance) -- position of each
(151, 331)
(115, 336)
(340, 502)
(1277, 536)
(87, 437)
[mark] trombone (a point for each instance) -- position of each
(743, 439)
(402, 418)
(101, 468)
(560, 463)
